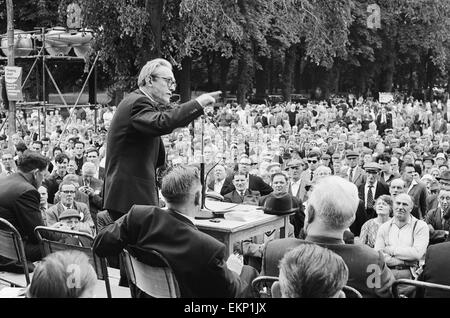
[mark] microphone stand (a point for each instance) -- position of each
(202, 163)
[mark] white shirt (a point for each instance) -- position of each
(218, 186)
(401, 239)
(295, 186)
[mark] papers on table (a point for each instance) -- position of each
(243, 216)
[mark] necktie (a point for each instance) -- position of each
(312, 176)
(351, 174)
(370, 198)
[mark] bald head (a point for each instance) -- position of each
(397, 186)
(403, 205)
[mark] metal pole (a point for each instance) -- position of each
(10, 34)
(43, 84)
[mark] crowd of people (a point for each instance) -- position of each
(373, 176)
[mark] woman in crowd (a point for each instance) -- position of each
(384, 209)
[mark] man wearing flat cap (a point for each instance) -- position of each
(297, 184)
(354, 173)
(372, 188)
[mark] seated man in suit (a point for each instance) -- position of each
(438, 219)
(19, 202)
(216, 184)
(197, 259)
(255, 183)
(372, 188)
(304, 266)
(242, 194)
(67, 190)
(331, 209)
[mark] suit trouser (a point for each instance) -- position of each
(116, 261)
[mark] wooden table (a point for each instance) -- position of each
(230, 232)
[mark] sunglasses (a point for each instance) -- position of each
(312, 161)
(68, 192)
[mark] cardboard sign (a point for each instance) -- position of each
(13, 80)
(386, 97)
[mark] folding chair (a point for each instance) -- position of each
(49, 239)
(351, 292)
(11, 247)
(151, 273)
(261, 286)
(421, 286)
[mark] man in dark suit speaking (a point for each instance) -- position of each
(134, 146)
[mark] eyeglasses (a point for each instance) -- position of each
(68, 192)
(312, 161)
(4, 159)
(170, 82)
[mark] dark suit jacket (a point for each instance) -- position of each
(250, 197)
(381, 189)
(101, 173)
(361, 217)
(432, 201)
(255, 183)
(362, 262)
(197, 259)
(19, 201)
(419, 195)
(435, 270)
(135, 149)
(439, 224)
(388, 124)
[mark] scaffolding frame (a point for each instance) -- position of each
(39, 35)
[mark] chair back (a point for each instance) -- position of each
(420, 287)
(351, 292)
(11, 246)
(55, 240)
(150, 273)
(261, 286)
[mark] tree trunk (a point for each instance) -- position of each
(270, 71)
(210, 61)
(261, 79)
(155, 10)
(185, 79)
(242, 78)
(411, 79)
(389, 74)
(288, 72)
(224, 68)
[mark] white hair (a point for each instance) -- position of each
(150, 68)
(335, 201)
